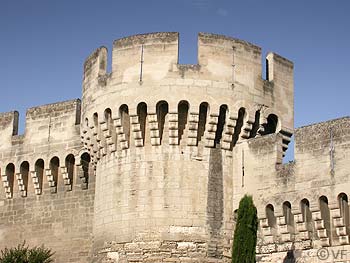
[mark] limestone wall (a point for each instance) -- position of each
(47, 190)
(163, 139)
(173, 148)
(309, 197)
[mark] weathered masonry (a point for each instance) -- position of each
(151, 164)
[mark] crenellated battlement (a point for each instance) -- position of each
(146, 39)
(51, 134)
(154, 56)
(145, 69)
(42, 123)
(151, 164)
(152, 154)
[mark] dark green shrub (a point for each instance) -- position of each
(244, 239)
(23, 254)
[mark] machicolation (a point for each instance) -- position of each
(150, 165)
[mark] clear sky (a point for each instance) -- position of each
(43, 44)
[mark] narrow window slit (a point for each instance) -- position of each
(142, 114)
(238, 128)
(182, 118)
(203, 111)
(125, 120)
(24, 170)
(162, 111)
(220, 125)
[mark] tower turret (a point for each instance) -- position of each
(162, 138)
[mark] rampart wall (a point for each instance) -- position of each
(48, 186)
(151, 165)
(303, 205)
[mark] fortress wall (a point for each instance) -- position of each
(60, 221)
(254, 169)
(311, 169)
(50, 130)
(174, 147)
(321, 154)
(53, 122)
(308, 178)
(45, 201)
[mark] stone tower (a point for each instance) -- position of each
(151, 165)
(174, 146)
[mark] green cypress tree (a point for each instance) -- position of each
(244, 239)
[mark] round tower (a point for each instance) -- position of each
(162, 138)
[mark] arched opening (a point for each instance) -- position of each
(287, 212)
(39, 169)
(24, 170)
(54, 167)
(325, 214)
(10, 174)
(108, 117)
(238, 128)
(203, 111)
(344, 208)
(85, 165)
(109, 124)
(306, 213)
(270, 215)
(142, 114)
(221, 124)
(125, 120)
(95, 119)
(271, 125)
(256, 125)
(69, 163)
(162, 110)
(86, 123)
(182, 110)
(305, 210)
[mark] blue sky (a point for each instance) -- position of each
(45, 42)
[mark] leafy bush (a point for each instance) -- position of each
(24, 254)
(244, 240)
